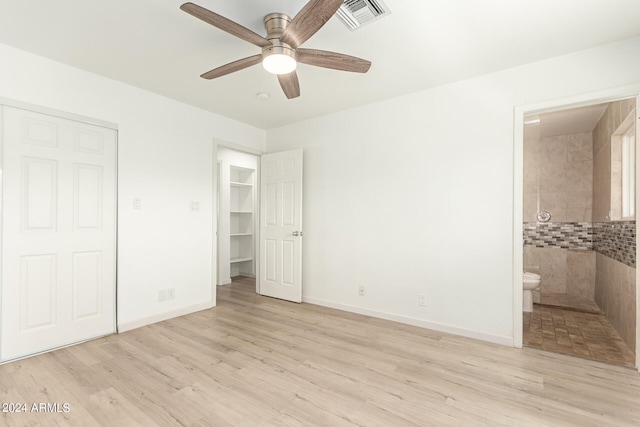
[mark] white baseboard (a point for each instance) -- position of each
(138, 323)
(440, 327)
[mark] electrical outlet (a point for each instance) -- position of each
(422, 300)
(162, 295)
(171, 293)
(361, 290)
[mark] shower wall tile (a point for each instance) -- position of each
(530, 166)
(603, 273)
(579, 147)
(556, 204)
(530, 185)
(566, 169)
(553, 270)
(552, 164)
(562, 270)
(579, 176)
(615, 294)
(599, 140)
(552, 178)
(581, 273)
(530, 207)
(602, 184)
(567, 271)
(579, 206)
(532, 259)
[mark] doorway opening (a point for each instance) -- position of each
(259, 226)
(238, 215)
(579, 230)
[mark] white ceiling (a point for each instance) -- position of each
(423, 43)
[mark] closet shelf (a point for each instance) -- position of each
(242, 216)
(240, 184)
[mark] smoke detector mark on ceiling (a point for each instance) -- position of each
(356, 13)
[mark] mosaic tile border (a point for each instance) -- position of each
(566, 235)
(616, 239)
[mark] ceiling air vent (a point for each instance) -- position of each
(356, 13)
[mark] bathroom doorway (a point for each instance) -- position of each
(579, 230)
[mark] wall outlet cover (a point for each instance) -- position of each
(137, 203)
(422, 300)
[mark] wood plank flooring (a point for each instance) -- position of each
(259, 361)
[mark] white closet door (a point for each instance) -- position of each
(58, 232)
(281, 225)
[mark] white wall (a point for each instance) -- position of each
(415, 194)
(166, 157)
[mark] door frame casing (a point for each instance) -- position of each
(576, 101)
(8, 102)
(216, 186)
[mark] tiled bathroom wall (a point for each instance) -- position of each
(615, 294)
(564, 271)
(615, 284)
(558, 178)
(581, 251)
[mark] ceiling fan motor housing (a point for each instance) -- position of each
(275, 23)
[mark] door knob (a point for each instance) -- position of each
(297, 233)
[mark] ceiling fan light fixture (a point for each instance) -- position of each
(279, 62)
(281, 47)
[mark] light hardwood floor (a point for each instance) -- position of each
(259, 361)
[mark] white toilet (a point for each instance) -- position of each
(530, 282)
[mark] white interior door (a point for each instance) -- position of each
(58, 232)
(281, 225)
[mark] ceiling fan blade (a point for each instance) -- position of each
(232, 67)
(290, 84)
(309, 20)
(334, 60)
(225, 24)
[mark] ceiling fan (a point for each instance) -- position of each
(281, 49)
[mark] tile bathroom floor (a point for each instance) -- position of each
(572, 332)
